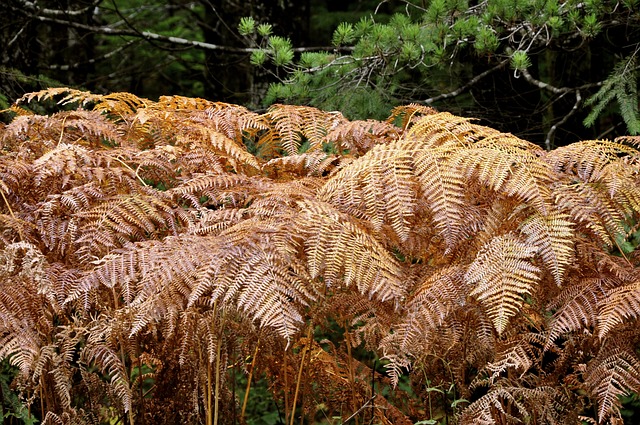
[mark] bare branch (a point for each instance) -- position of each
(467, 86)
(552, 130)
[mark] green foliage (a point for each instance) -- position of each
(622, 86)
(12, 408)
(435, 48)
(246, 26)
(520, 60)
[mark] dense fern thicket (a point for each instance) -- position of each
(423, 268)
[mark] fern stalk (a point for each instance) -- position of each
(217, 394)
(250, 377)
(295, 394)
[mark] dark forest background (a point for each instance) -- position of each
(537, 68)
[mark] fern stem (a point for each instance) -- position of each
(216, 399)
(286, 389)
(13, 216)
(295, 394)
(246, 393)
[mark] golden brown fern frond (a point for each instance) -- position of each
(409, 114)
(231, 120)
(117, 104)
(553, 235)
(508, 404)
(427, 309)
(613, 373)
(72, 96)
(358, 137)
(291, 126)
(444, 190)
(380, 187)
(577, 306)
(220, 190)
(340, 250)
(502, 273)
(234, 153)
(599, 186)
(620, 304)
(509, 166)
(445, 129)
(120, 219)
(315, 163)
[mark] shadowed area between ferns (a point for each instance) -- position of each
(151, 251)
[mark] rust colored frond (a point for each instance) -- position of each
(291, 126)
(514, 356)
(121, 219)
(621, 303)
(338, 249)
(217, 142)
(577, 306)
(614, 373)
(502, 274)
(553, 235)
(433, 300)
(358, 137)
(380, 186)
(409, 113)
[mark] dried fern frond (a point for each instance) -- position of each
(508, 404)
(380, 187)
(358, 137)
(230, 150)
(619, 305)
(315, 163)
(409, 114)
(290, 126)
(340, 250)
(577, 306)
(444, 190)
(502, 273)
(433, 300)
(613, 373)
(510, 167)
(553, 235)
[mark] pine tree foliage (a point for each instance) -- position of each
(149, 246)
